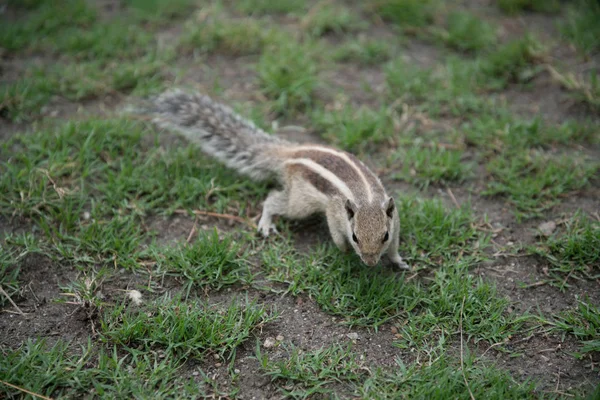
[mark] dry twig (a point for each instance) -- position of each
(11, 301)
(26, 391)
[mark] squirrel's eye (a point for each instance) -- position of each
(354, 238)
(386, 237)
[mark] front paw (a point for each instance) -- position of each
(266, 227)
(399, 263)
(402, 265)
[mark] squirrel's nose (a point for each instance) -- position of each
(370, 259)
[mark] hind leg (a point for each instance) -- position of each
(275, 204)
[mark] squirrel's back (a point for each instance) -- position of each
(239, 144)
(219, 131)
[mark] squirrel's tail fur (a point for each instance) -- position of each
(219, 131)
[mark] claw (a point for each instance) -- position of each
(265, 228)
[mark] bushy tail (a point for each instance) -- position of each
(218, 131)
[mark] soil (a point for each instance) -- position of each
(544, 358)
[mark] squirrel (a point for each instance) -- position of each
(314, 178)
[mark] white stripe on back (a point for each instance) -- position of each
(343, 156)
(325, 173)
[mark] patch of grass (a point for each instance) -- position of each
(45, 21)
(13, 249)
(85, 291)
(160, 10)
(330, 18)
(454, 295)
(288, 76)
(89, 184)
(114, 167)
(26, 4)
(426, 165)
(442, 378)
(581, 26)
(61, 371)
(534, 181)
(340, 284)
(582, 322)
(585, 89)
(263, 7)
(210, 261)
(305, 374)
(185, 329)
(352, 129)
(408, 81)
(467, 32)
(503, 132)
(363, 52)
(233, 37)
(573, 251)
(433, 235)
(9, 272)
(516, 6)
(407, 14)
(513, 62)
(449, 89)
(24, 99)
(102, 42)
(113, 241)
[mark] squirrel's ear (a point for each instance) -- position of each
(350, 208)
(389, 208)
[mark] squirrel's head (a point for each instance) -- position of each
(370, 228)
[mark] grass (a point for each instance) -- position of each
(9, 273)
(516, 6)
(583, 322)
(580, 26)
(352, 129)
(62, 370)
(262, 7)
(467, 32)
(514, 61)
(159, 11)
(423, 166)
(46, 20)
(24, 99)
(210, 261)
(312, 373)
(454, 296)
(572, 252)
(234, 37)
(534, 181)
(433, 235)
(288, 77)
(451, 89)
(190, 329)
(407, 14)
(506, 134)
(335, 369)
(329, 18)
(442, 378)
(363, 52)
(13, 250)
(99, 197)
(89, 186)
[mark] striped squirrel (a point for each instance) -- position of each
(314, 178)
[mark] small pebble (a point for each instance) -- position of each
(269, 342)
